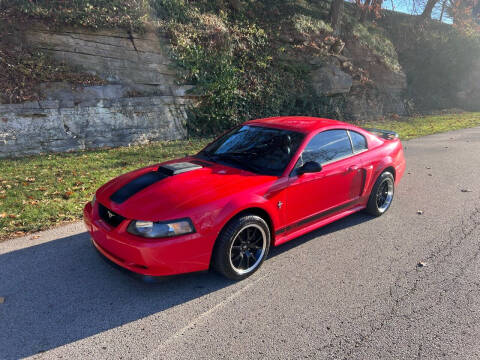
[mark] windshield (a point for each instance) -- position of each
(257, 149)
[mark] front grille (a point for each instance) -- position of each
(109, 216)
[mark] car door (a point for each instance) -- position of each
(312, 196)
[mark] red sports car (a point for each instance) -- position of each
(261, 184)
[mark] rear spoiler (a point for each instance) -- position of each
(384, 134)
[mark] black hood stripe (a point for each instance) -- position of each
(136, 185)
(150, 178)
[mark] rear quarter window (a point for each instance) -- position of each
(358, 141)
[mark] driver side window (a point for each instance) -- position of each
(325, 147)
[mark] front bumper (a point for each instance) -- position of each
(150, 257)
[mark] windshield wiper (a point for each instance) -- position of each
(234, 158)
(239, 153)
(207, 155)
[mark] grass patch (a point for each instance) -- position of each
(413, 127)
(39, 192)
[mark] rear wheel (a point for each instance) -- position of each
(382, 193)
(242, 247)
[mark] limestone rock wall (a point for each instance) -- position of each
(86, 117)
(55, 126)
(383, 95)
(138, 61)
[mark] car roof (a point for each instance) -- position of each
(304, 124)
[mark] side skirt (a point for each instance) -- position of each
(322, 222)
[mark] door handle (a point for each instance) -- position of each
(353, 168)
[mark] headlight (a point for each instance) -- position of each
(161, 229)
(93, 200)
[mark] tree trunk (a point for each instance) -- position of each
(427, 12)
(336, 13)
(365, 11)
(476, 12)
(378, 4)
(377, 7)
(444, 3)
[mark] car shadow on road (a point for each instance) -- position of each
(61, 291)
(349, 221)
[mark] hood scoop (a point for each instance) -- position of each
(149, 178)
(178, 168)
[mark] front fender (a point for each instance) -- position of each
(237, 205)
(214, 221)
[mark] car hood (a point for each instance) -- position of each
(176, 194)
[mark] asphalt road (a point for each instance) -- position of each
(351, 290)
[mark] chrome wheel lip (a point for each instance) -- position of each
(260, 257)
(388, 195)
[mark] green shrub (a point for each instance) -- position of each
(307, 24)
(234, 56)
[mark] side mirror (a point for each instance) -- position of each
(309, 167)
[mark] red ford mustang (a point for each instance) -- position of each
(263, 183)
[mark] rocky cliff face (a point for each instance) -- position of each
(133, 65)
(81, 117)
(379, 93)
(137, 61)
(55, 126)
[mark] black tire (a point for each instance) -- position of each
(238, 253)
(382, 194)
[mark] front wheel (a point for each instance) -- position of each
(382, 193)
(242, 247)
